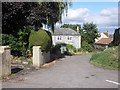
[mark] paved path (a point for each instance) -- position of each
(70, 72)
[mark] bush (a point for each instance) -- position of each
(71, 48)
(18, 44)
(40, 38)
(63, 48)
(56, 49)
(87, 47)
(14, 44)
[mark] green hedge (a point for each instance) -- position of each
(40, 38)
(87, 47)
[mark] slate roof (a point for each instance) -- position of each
(105, 41)
(65, 31)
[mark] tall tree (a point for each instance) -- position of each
(17, 15)
(14, 16)
(89, 32)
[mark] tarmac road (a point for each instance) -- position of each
(69, 72)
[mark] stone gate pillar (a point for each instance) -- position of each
(5, 61)
(37, 57)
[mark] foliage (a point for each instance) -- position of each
(107, 59)
(17, 15)
(14, 16)
(89, 33)
(12, 42)
(40, 38)
(30, 62)
(87, 47)
(18, 44)
(69, 49)
(72, 26)
(56, 49)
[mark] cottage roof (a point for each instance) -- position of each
(106, 33)
(65, 31)
(105, 41)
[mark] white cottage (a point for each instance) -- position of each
(68, 36)
(103, 41)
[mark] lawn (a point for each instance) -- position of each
(107, 59)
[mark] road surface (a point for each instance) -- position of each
(69, 72)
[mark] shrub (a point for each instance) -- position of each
(63, 48)
(56, 49)
(40, 38)
(86, 46)
(71, 48)
(18, 44)
(11, 41)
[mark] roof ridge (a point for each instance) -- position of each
(65, 31)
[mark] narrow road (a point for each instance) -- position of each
(70, 72)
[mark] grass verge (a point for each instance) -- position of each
(107, 59)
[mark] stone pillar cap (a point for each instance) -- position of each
(4, 47)
(36, 46)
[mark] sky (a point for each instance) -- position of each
(103, 14)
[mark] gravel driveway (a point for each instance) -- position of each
(68, 72)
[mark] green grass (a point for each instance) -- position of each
(107, 59)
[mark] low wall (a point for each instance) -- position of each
(5, 62)
(39, 57)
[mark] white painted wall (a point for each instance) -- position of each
(75, 40)
(102, 35)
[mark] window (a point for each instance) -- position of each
(59, 38)
(69, 38)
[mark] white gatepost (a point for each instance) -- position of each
(37, 57)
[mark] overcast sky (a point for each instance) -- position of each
(104, 14)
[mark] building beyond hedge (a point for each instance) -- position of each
(103, 41)
(68, 36)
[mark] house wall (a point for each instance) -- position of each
(99, 46)
(68, 39)
(102, 35)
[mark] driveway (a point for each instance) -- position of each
(68, 72)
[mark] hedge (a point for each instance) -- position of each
(41, 38)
